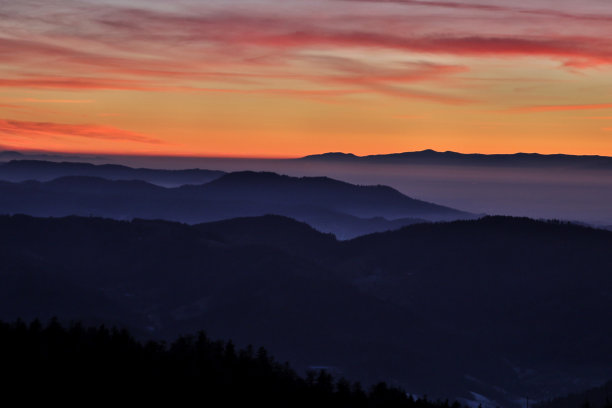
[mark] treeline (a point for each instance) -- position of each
(104, 364)
(598, 397)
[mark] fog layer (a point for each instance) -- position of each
(568, 193)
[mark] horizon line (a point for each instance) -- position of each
(27, 152)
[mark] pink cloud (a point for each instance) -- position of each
(150, 31)
(496, 9)
(355, 72)
(110, 47)
(590, 51)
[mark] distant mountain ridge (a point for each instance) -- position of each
(42, 170)
(11, 154)
(356, 200)
(329, 205)
(475, 159)
(427, 156)
(27, 155)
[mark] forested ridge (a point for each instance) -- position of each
(499, 307)
(598, 397)
(109, 362)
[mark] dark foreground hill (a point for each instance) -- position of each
(329, 205)
(41, 170)
(499, 307)
(598, 397)
(78, 364)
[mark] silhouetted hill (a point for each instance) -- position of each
(272, 230)
(555, 269)
(22, 170)
(110, 365)
(332, 156)
(328, 205)
(10, 154)
(346, 226)
(597, 397)
(452, 158)
(359, 201)
(165, 278)
(501, 307)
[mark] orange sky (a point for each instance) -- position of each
(283, 79)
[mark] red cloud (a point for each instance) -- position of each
(592, 51)
(147, 50)
(240, 32)
(58, 130)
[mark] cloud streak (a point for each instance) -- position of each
(61, 130)
(77, 83)
(576, 16)
(558, 108)
(146, 49)
(60, 101)
(223, 75)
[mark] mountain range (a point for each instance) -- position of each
(423, 157)
(361, 280)
(432, 157)
(499, 307)
(329, 205)
(44, 170)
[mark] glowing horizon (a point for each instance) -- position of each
(259, 78)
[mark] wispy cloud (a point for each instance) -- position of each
(497, 9)
(556, 108)
(76, 83)
(61, 130)
(10, 106)
(149, 49)
(61, 101)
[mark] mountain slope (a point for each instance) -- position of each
(535, 292)
(598, 397)
(502, 307)
(360, 201)
(329, 205)
(163, 279)
(112, 365)
(22, 170)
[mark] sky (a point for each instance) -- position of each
(272, 78)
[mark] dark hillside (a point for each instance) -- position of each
(502, 307)
(108, 364)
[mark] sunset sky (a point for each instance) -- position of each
(286, 78)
